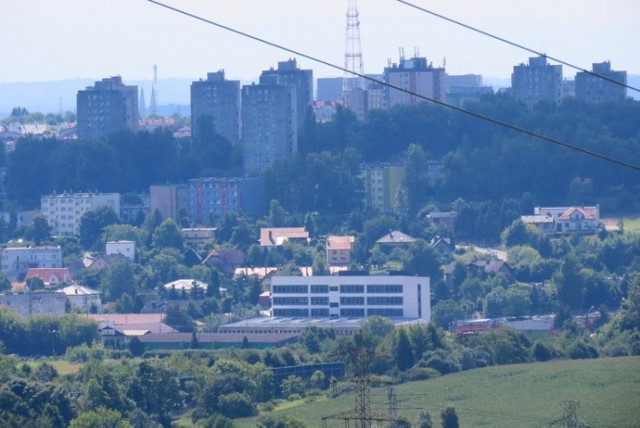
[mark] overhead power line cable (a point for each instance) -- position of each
(388, 85)
(517, 45)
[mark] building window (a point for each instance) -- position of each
(290, 301)
(352, 301)
(290, 289)
(319, 312)
(319, 289)
(290, 312)
(386, 301)
(352, 312)
(324, 301)
(384, 288)
(351, 289)
(386, 312)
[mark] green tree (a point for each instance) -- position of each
(404, 357)
(449, 418)
(177, 318)
(101, 417)
(92, 224)
(520, 233)
(416, 179)
(292, 385)
(423, 260)
(155, 390)
(120, 279)
(168, 234)
(39, 231)
(237, 405)
(5, 284)
(277, 215)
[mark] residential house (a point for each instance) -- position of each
(51, 277)
(125, 248)
(395, 238)
(15, 261)
(82, 297)
(549, 220)
(226, 260)
(277, 236)
(339, 250)
(447, 220)
(443, 248)
(196, 235)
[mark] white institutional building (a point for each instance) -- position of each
(391, 296)
(64, 211)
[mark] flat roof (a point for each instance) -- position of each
(312, 322)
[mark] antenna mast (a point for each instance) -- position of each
(353, 51)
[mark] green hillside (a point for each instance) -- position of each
(527, 395)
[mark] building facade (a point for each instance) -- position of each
(406, 297)
(537, 81)
(212, 196)
(218, 101)
(290, 75)
(418, 77)
(595, 89)
(106, 107)
(64, 211)
(41, 303)
(269, 123)
(15, 262)
(339, 250)
(381, 185)
(125, 248)
(168, 199)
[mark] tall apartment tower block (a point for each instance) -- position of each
(415, 75)
(595, 89)
(537, 81)
(290, 75)
(269, 124)
(106, 107)
(217, 100)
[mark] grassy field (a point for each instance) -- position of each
(631, 224)
(62, 367)
(527, 395)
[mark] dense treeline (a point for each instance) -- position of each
(482, 161)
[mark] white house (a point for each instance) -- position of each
(82, 297)
(126, 248)
(14, 262)
(406, 297)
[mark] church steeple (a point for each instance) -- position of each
(142, 108)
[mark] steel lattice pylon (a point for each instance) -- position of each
(353, 51)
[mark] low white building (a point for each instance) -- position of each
(126, 248)
(15, 262)
(401, 297)
(82, 297)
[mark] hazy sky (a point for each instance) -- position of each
(62, 39)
